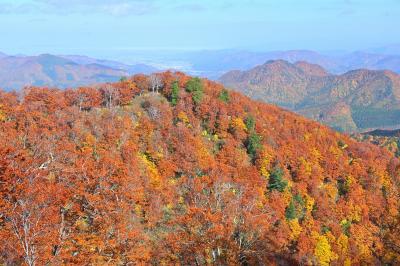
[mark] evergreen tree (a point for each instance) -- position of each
(175, 93)
(253, 144)
(276, 181)
(290, 211)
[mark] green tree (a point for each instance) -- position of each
(224, 96)
(290, 212)
(250, 123)
(195, 86)
(175, 93)
(253, 144)
(276, 181)
(197, 96)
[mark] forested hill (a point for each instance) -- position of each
(359, 100)
(169, 169)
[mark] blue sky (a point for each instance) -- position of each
(103, 27)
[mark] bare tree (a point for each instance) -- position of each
(23, 225)
(110, 95)
(155, 82)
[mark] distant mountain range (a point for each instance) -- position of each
(355, 101)
(213, 64)
(62, 71)
(131, 69)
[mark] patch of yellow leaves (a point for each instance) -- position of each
(3, 115)
(239, 124)
(265, 164)
(182, 116)
(155, 179)
(323, 251)
(295, 228)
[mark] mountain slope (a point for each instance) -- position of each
(188, 174)
(358, 99)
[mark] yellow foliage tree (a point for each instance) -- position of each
(323, 251)
(295, 228)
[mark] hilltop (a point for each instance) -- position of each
(170, 169)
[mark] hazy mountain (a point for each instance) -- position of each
(212, 64)
(62, 71)
(359, 99)
(131, 69)
(50, 70)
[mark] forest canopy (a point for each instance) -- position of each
(169, 169)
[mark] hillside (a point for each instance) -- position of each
(169, 170)
(17, 72)
(356, 100)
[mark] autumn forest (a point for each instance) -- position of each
(168, 169)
